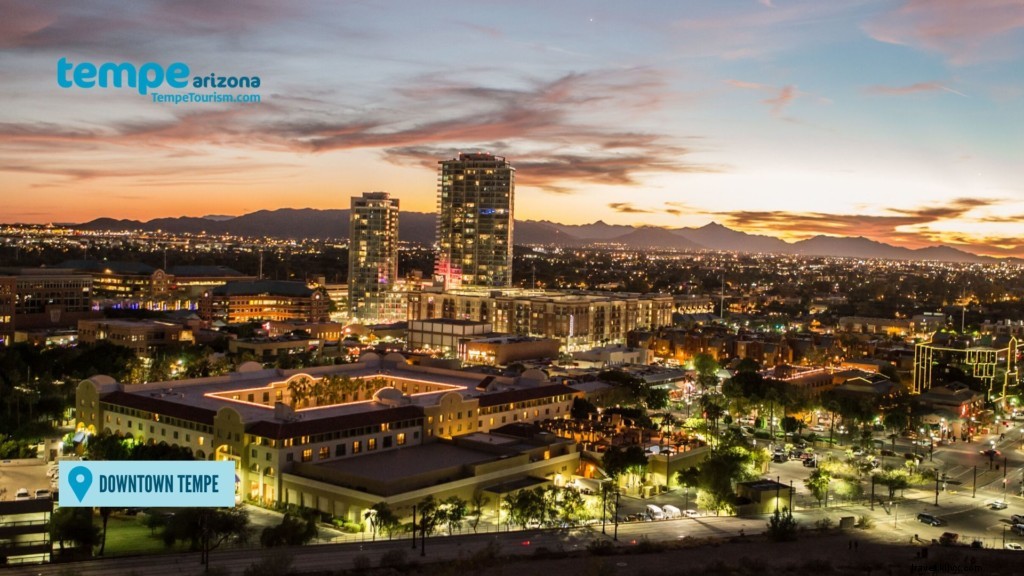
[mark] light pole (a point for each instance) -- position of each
(413, 526)
(616, 536)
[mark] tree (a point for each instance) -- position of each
(782, 527)
(382, 518)
(429, 518)
(895, 479)
(452, 512)
(790, 424)
(74, 525)
(630, 461)
(582, 408)
(476, 508)
(818, 484)
(205, 529)
(292, 531)
(707, 370)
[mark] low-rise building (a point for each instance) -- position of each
(262, 300)
(143, 337)
(505, 349)
(445, 335)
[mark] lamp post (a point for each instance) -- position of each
(413, 526)
(616, 536)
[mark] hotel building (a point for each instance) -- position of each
(342, 438)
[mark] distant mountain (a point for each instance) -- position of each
(597, 231)
(284, 223)
(217, 217)
(651, 237)
(721, 238)
(420, 228)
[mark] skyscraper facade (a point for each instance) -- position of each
(373, 257)
(475, 194)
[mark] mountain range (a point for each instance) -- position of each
(419, 227)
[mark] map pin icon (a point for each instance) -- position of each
(80, 478)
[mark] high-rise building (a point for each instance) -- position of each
(373, 257)
(475, 195)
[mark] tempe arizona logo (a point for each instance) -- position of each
(151, 76)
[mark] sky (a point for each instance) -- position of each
(898, 120)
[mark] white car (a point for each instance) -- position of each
(671, 512)
(998, 505)
(22, 494)
(42, 494)
(1014, 546)
(691, 513)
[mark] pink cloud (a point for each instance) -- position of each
(963, 31)
(912, 89)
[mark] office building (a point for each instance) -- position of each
(239, 302)
(475, 219)
(579, 320)
(373, 258)
(42, 299)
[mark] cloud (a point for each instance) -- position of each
(912, 89)
(910, 227)
(628, 208)
(964, 32)
(782, 97)
(786, 95)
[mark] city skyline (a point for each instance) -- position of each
(894, 120)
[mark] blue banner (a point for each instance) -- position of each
(157, 483)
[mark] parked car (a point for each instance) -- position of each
(22, 494)
(887, 452)
(42, 494)
(671, 512)
(655, 512)
(931, 520)
(691, 513)
(1018, 529)
(1014, 546)
(810, 462)
(949, 538)
(998, 505)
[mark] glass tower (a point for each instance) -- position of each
(373, 257)
(475, 218)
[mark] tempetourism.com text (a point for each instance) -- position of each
(190, 97)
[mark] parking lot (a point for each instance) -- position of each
(31, 477)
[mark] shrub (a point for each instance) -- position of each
(394, 559)
(600, 547)
(866, 522)
(362, 563)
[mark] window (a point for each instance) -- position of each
(387, 441)
(188, 437)
(266, 396)
(307, 455)
(339, 450)
(267, 457)
(371, 444)
(252, 453)
(357, 447)
(202, 440)
(400, 440)
(325, 452)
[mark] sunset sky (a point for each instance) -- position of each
(899, 120)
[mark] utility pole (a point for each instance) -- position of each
(936, 487)
(974, 485)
